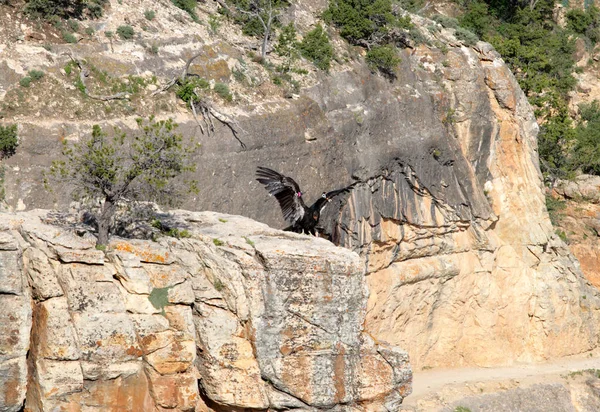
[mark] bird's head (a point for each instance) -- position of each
(324, 196)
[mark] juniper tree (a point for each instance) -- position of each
(124, 167)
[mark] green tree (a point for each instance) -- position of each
(383, 58)
(257, 18)
(316, 47)
(65, 8)
(8, 141)
(287, 47)
(586, 151)
(364, 22)
(123, 167)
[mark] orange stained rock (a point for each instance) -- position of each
(144, 254)
(339, 369)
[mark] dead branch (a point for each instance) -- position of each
(204, 106)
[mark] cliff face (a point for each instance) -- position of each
(265, 320)
(464, 267)
(448, 211)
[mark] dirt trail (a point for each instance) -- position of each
(428, 385)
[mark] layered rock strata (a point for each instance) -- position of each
(237, 317)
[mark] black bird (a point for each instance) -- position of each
(287, 192)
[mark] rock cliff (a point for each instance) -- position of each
(237, 317)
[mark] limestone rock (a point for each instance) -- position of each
(181, 324)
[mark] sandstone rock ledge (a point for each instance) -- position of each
(256, 320)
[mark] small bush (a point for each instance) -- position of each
(445, 21)
(580, 20)
(188, 6)
(555, 209)
(466, 36)
(384, 59)
(287, 47)
(90, 31)
(25, 81)
(317, 48)
(214, 22)
(186, 91)
(109, 34)
(8, 140)
(64, 9)
(35, 74)
(73, 25)
(218, 242)
(69, 37)
(223, 90)
(125, 31)
(149, 14)
(362, 20)
(417, 36)
(153, 48)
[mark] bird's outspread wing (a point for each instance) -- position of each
(327, 197)
(286, 191)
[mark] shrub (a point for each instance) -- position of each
(586, 153)
(384, 59)
(65, 9)
(466, 36)
(73, 25)
(69, 37)
(189, 6)
(445, 21)
(477, 18)
(149, 14)
(214, 22)
(35, 74)
(555, 209)
(186, 90)
(25, 81)
(579, 20)
(223, 90)
(364, 20)
(89, 31)
(109, 34)
(125, 31)
(8, 140)
(287, 47)
(317, 48)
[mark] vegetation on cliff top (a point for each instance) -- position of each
(125, 167)
(540, 54)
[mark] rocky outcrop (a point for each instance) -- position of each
(464, 267)
(237, 317)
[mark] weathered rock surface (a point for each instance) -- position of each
(265, 320)
(583, 188)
